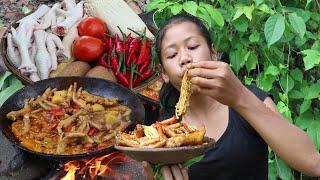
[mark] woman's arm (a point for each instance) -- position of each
(217, 80)
(286, 140)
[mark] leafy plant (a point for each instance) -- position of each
(8, 86)
(271, 44)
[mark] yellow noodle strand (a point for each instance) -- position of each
(185, 93)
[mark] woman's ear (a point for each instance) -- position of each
(214, 53)
(164, 75)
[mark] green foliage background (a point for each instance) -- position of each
(271, 44)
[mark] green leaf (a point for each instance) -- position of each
(257, 2)
(308, 2)
(266, 82)
(286, 82)
(221, 2)
(296, 74)
(176, 8)
(251, 61)
(272, 171)
(265, 8)
(297, 24)
(254, 37)
(160, 17)
(305, 106)
(190, 7)
(283, 169)
(274, 28)
(300, 42)
(316, 46)
(248, 80)
(311, 58)
(314, 133)
(248, 11)
(304, 14)
(153, 5)
(272, 70)
(162, 6)
(192, 161)
(241, 24)
(214, 13)
(7, 92)
(313, 91)
(237, 59)
(295, 94)
(304, 120)
(217, 17)
(284, 110)
(3, 77)
(202, 13)
(238, 13)
(283, 97)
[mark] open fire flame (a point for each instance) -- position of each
(97, 166)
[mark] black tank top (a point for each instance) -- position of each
(240, 153)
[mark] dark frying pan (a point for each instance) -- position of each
(95, 86)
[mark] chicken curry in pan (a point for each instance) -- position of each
(69, 121)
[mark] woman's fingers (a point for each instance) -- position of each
(205, 83)
(202, 72)
(185, 174)
(207, 64)
(147, 170)
(166, 173)
(175, 169)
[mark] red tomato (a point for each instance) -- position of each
(92, 26)
(87, 48)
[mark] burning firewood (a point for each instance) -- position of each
(94, 167)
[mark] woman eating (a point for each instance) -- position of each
(243, 120)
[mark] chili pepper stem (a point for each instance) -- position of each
(122, 33)
(142, 36)
(132, 70)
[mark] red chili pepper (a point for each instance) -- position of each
(120, 50)
(111, 45)
(127, 42)
(122, 79)
(127, 75)
(74, 105)
(114, 62)
(92, 131)
(133, 50)
(145, 75)
(104, 61)
(107, 39)
(68, 128)
(144, 52)
(144, 65)
(119, 44)
(58, 111)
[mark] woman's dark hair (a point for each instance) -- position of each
(177, 19)
(169, 95)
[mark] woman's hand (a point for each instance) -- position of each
(173, 172)
(217, 80)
